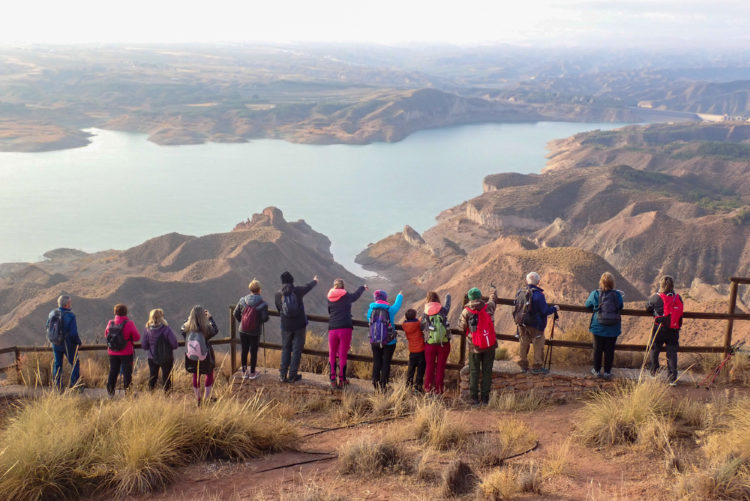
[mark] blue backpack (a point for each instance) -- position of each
(381, 331)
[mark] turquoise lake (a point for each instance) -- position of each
(122, 189)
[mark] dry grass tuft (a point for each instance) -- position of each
(458, 479)
(517, 402)
(509, 482)
(487, 450)
(515, 436)
(431, 426)
(557, 461)
(365, 457)
(394, 402)
(632, 413)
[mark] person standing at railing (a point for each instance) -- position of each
(71, 341)
(340, 327)
(381, 316)
(293, 325)
(200, 358)
(415, 339)
(667, 308)
(121, 333)
(159, 342)
(477, 321)
(438, 341)
(251, 312)
(606, 323)
(532, 328)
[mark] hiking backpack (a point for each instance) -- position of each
(115, 336)
(249, 319)
(289, 305)
(438, 331)
(195, 347)
(673, 309)
(523, 313)
(55, 333)
(607, 312)
(381, 331)
(482, 328)
(163, 351)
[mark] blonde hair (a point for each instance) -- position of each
(607, 281)
(197, 321)
(338, 283)
(156, 317)
(666, 284)
(254, 286)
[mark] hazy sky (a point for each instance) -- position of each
(568, 22)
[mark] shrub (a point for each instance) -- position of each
(431, 426)
(373, 458)
(458, 479)
(515, 436)
(517, 402)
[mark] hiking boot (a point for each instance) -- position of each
(524, 370)
(607, 376)
(334, 385)
(283, 379)
(594, 372)
(295, 378)
(540, 370)
(343, 384)
(475, 402)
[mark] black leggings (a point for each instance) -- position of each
(604, 345)
(381, 364)
(250, 343)
(166, 374)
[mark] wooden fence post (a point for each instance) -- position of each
(730, 321)
(232, 340)
(17, 354)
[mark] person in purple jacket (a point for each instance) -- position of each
(159, 358)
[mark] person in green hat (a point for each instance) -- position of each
(478, 323)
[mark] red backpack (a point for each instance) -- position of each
(673, 308)
(482, 328)
(249, 319)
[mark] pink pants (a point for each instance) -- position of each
(436, 358)
(339, 341)
(209, 380)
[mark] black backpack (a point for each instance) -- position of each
(523, 312)
(115, 337)
(607, 313)
(55, 333)
(163, 352)
(290, 305)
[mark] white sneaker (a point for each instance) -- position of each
(245, 374)
(253, 375)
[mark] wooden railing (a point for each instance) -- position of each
(233, 339)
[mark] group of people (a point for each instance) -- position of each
(427, 333)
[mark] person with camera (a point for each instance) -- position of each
(477, 321)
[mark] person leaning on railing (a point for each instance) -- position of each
(606, 303)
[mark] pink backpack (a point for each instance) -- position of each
(195, 347)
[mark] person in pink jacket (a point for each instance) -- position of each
(121, 333)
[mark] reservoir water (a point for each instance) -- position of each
(122, 189)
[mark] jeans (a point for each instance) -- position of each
(166, 374)
(604, 345)
(250, 343)
(529, 336)
(417, 364)
(292, 343)
(436, 357)
(481, 363)
(73, 360)
(381, 364)
(670, 339)
(115, 363)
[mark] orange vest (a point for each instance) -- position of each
(414, 336)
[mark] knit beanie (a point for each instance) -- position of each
(380, 295)
(474, 294)
(287, 278)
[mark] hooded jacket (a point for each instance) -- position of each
(540, 308)
(151, 336)
(256, 301)
(298, 321)
(340, 307)
(392, 310)
(129, 332)
(463, 320)
(435, 308)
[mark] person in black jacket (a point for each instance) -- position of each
(340, 328)
(293, 325)
(251, 340)
(664, 305)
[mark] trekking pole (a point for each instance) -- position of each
(548, 355)
(710, 378)
(649, 345)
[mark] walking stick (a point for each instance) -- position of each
(649, 345)
(710, 378)
(548, 355)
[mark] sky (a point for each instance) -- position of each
(676, 23)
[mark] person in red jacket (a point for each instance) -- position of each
(121, 333)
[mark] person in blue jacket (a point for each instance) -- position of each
(382, 351)
(606, 323)
(69, 348)
(533, 333)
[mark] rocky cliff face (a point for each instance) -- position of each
(172, 272)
